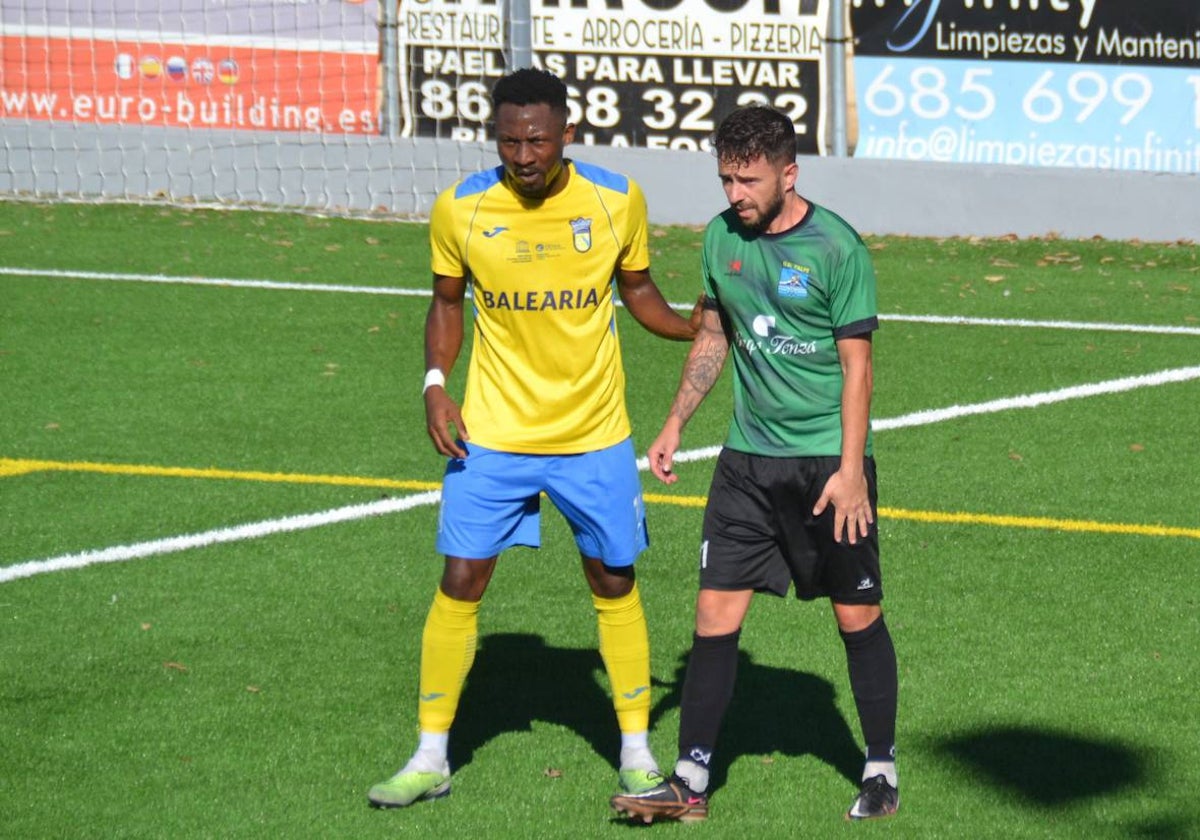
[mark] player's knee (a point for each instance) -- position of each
(608, 581)
(466, 580)
(854, 617)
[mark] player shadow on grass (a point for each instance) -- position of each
(775, 710)
(517, 679)
(1055, 769)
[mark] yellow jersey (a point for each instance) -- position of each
(545, 374)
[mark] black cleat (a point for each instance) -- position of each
(876, 798)
(671, 800)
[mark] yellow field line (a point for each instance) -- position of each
(1039, 522)
(1036, 522)
(10, 466)
(13, 466)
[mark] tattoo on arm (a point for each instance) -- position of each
(701, 371)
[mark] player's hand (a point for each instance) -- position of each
(852, 514)
(697, 316)
(444, 423)
(661, 453)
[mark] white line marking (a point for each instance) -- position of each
(957, 320)
(949, 320)
(211, 281)
(301, 522)
(354, 512)
(1112, 386)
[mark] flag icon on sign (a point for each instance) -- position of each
(177, 68)
(123, 66)
(203, 71)
(151, 67)
(227, 71)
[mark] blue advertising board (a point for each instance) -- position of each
(1096, 84)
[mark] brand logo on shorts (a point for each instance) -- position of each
(865, 583)
(700, 756)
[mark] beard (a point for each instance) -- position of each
(540, 188)
(766, 214)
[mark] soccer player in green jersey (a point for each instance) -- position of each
(791, 296)
(544, 243)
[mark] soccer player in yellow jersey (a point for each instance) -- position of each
(542, 241)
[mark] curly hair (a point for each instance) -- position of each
(529, 86)
(755, 131)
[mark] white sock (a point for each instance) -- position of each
(635, 752)
(887, 769)
(430, 756)
(696, 775)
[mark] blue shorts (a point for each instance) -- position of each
(492, 500)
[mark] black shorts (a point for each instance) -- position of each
(760, 534)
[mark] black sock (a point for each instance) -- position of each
(871, 659)
(707, 690)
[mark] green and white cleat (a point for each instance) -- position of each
(639, 781)
(409, 786)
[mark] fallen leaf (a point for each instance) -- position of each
(1015, 456)
(253, 689)
(552, 773)
(146, 625)
(176, 666)
(1136, 447)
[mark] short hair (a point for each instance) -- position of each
(530, 86)
(755, 131)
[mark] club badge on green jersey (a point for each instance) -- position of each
(793, 281)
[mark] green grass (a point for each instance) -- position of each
(257, 688)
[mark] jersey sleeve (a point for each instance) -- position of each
(635, 253)
(445, 245)
(853, 307)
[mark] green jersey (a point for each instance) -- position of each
(785, 299)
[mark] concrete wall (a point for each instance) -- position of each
(371, 174)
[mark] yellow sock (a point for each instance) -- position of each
(447, 653)
(625, 649)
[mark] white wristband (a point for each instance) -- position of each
(433, 376)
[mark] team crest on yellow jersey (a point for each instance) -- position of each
(581, 230)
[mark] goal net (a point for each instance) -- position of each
(258, 102)
(366, 106)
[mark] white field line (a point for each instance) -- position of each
(345, 514)
(354, 512)
(950, 320)
(301, 522)
(1095, 389)
(228, 282)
